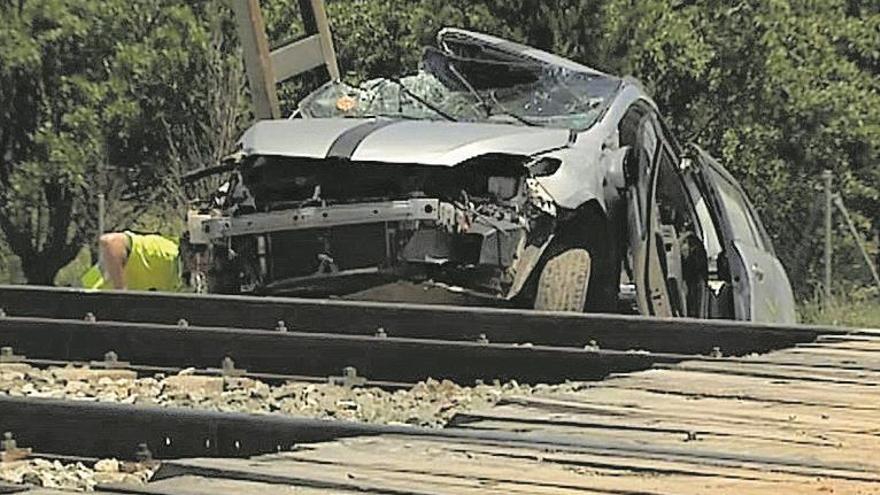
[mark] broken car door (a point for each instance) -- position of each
(761, 290)
(647, 267)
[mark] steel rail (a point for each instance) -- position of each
(679, 335)
(104, 429)
(392, 359)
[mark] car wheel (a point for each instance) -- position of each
(564, 281)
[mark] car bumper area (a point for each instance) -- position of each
(338, 249)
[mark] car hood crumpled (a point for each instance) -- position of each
(396, 141)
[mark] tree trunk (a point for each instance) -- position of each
(38, 273)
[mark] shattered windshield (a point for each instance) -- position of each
(541, 95)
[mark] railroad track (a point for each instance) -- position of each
(677, 336)
(392, 346)
(394, 343)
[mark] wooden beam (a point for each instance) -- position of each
(258, 63)
(297, 57)
(326, 38)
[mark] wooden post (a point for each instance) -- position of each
(826, 177)
(261, 77)
(327, 48)
(838, 201)
(101, 212)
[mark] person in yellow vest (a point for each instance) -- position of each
(130, 261)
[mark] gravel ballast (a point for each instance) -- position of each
(74, 476)
(431, 403)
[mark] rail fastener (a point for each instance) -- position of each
(349, 378)
(111, 362)
(8, 355)
(10, 451)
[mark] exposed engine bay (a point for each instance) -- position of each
(294, 225)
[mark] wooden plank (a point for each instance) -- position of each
(374, 474)
(812, 361)
(783, 372)
(297, 57)
(710, 448)
(862, 358)
(434, 466)
(657, 407)
(697, 384)
(680, 428)
(200, 485)
(654, 407)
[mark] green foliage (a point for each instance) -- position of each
(90, 92)
(778, 90)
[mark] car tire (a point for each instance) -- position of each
(564, 281)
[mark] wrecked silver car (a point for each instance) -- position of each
(499, 170)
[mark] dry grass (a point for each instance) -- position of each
(860, 308)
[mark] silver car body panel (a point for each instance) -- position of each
(450, 143)
(311, 139)
(416, 142)
(592, 158)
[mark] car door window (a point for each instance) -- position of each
(743, 225)
(711, 240)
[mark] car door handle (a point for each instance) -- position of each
(759, 273)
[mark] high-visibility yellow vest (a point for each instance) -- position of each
(152, 264)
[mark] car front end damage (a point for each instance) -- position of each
(459, 174)
(318, 226)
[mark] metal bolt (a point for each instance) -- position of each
(691, 436)
(380, 332)
(227, 368)
(2, 313)
(7, 355)
(182, 323)
(281, 326)
(227, 365)
(111, 362)
(482, 339)
(716, 352)
(349, 378)
(6, 351)
(90, 317)
(8, 442)
(9, 449)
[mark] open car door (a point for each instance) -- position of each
(646, 258)
(760, 287)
